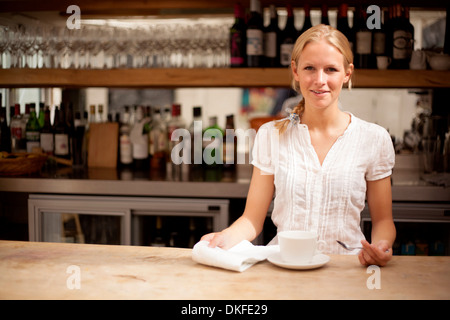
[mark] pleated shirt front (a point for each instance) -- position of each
(325, 198)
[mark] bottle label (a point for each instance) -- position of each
(32, 140)
(363, 42)
(125, 150)
(286, 53)
(47, 142)
(254, 42)
(140, 150)
(270, 44)
(61, 144)
(16, 133)
(402, 44)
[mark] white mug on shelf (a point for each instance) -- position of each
(298, 246)
(383, 62)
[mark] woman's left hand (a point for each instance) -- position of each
(375, 254)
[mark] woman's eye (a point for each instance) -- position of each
(332, 70)
(309, 68)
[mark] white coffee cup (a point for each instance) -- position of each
(383, 62)
(298, 246)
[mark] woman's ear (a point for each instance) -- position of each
(294, 70)
(349, 72)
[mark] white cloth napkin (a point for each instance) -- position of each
(239, 258)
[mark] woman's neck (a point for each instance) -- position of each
(324, 119)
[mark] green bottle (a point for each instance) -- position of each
(32, 131)
(212, 144)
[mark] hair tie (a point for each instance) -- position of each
(294, 118)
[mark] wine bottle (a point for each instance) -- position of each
(363, 42)
(62, 139)
(272, 40)
(18, 141)
(307, 23)
(32, 131)
(139, 140)
(254, 36)
(229, 144)
(212, 144)
(288, 37)
(78, 141)
(158, 141)
(47, 135)
(379, 40)
(402, 38)
(5, 131)
(343, 26)
(447, 31)
(324, 19)
(237, 38)
(41, 117)
(125, 146)
(196, 133)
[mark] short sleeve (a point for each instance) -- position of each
(262, 149)
(382, 156)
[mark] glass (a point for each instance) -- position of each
(179, 44)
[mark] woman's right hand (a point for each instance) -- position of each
(217, 239)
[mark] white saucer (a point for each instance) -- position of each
(316, 262)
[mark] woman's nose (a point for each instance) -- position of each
(321, 77)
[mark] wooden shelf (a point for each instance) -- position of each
(139, 7)
(219, 77)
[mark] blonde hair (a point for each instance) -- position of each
(315, 34)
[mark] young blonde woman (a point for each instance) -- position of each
(321, 162)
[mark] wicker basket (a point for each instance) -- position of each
(21, 163)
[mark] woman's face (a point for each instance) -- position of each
(320, 73)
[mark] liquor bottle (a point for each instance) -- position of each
(196, 132)
(363, 42)
(18, 141)
(288, 37)
(32, 131)
(139, 140)
(47, 134)
(62, 139)
(212, 144)
(229, 144)
(5, 132)
(402, 38)
(238, 38)
(272, 41)
(379, 40)
(324, 19)
(343, 26)
(254, 36)
(307, 23)
(158, 142)
(125, 146)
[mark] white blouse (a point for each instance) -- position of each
(325, 198)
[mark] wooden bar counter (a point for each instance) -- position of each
(35, 270)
